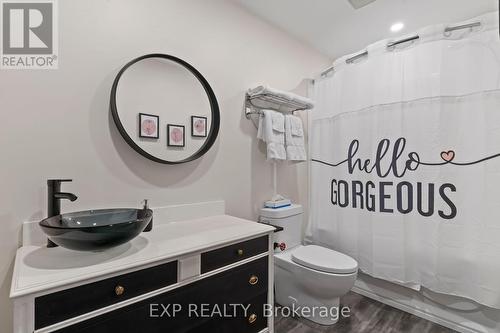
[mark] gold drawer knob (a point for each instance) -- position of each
(240, 252)
(253, 280)
(119, 290)
(252, 318)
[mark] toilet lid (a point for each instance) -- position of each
(325, 260)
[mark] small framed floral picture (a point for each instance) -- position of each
(176, 135)
(148, 126)
(198, 126)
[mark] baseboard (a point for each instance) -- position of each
(414, 311)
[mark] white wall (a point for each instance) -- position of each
(57, 123)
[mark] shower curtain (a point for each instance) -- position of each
(405, 161)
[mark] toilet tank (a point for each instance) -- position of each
(290, 218)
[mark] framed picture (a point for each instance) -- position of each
(149, 126)
(176, 135)
(198, 126)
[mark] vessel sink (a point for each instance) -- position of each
(96, 230)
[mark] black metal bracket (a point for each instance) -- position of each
(276, 228)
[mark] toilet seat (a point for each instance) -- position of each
(325, 260)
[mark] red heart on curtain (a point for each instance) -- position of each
(448, 156)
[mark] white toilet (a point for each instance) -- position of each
(307, 275)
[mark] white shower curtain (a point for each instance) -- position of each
(425, 209)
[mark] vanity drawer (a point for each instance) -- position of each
(233, 253)
(253, 321)
(234, 286)
(62, 305)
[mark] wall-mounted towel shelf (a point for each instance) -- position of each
(267, 98)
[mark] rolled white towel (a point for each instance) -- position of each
(261, 90)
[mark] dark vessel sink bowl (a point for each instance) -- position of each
(96, 230)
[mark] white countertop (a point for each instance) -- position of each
(39, 268)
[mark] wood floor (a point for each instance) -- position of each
(367, 316)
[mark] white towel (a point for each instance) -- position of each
(264, 90)
(272, 132)
(294, 139)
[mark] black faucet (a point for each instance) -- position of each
(54, 196)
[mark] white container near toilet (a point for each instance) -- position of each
(307, 275)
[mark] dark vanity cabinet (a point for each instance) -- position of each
(62, 305)
(228, 294)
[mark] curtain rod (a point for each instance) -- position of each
(404, 40)
(326, 71)
(401, 41)
(463, 26)
(356, 57)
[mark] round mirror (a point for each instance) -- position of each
(165, 109)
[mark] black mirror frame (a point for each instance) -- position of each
(214, 106)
